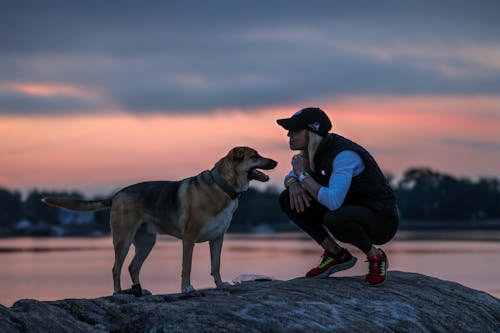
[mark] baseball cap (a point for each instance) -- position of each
(312, 119)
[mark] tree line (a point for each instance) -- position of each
(422, 194)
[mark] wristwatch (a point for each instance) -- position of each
(303, 176)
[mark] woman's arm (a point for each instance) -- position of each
(346, 165)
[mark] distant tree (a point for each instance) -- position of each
(10, 208)
(486, 192)
(426, 194)
(416, 192)
(422, 194)
(258, 207)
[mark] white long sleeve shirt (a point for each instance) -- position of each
(346, 165)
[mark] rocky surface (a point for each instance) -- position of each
(408, 302)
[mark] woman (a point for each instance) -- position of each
(336, 188)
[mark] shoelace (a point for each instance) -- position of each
(375, 266)
(325, 258)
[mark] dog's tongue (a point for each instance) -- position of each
(257, 175)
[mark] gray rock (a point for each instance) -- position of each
(408, 302)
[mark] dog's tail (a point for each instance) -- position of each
(78, 205)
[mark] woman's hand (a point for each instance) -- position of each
(299, 198)
(298, 164)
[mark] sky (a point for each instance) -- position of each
(96, 95)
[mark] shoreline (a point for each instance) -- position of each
(25, 244)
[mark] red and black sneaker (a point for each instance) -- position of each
(331, 263)
(377, 271)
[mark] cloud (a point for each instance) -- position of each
(15, 104)
(492, 146)
(190, 56)
(29, 98)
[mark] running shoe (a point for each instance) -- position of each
(331, 263)
(377, 270)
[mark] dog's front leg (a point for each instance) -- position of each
(187, 257)
(215, 252)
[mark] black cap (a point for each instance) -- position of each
(312, 119)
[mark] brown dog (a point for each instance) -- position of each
(195, 209)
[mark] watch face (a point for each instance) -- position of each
(302, 176)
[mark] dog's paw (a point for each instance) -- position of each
(188, 289)
(126, 292)
(223, 285)
(136, 291)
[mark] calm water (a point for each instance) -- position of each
(56, 268)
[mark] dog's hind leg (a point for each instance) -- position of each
(121, 251)
(215, 251)
(143, 243)
(124, 224)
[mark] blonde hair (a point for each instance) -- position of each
(312, 146)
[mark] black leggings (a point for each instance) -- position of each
(356, 225)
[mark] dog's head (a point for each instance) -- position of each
(248, 160)
(242, 164)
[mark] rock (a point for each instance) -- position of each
(408, 302)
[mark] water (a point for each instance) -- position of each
(57, 268)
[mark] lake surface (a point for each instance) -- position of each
(57, 268)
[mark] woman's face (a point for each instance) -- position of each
(298, 139)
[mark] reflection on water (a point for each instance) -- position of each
(56, 268)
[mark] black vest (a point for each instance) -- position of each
(369, 188)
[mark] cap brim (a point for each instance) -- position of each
(290, 124)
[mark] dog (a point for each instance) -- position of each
(195, 209)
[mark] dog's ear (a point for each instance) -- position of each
(237, 154)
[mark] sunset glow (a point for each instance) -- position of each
(99, 154)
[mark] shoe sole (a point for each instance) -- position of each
(336, 268)
(378, 284)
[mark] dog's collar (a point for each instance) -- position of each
(224, 185)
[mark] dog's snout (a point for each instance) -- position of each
(271, 164)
